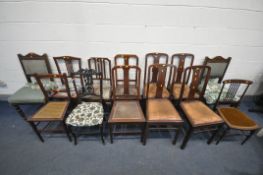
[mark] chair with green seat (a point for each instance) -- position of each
(231, 94)
(30, 93)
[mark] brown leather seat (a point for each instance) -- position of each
(199, 114)
(52, 111)
(126, 111)
(152, 91)
(236, 119)
(162, 110)
(177, 90)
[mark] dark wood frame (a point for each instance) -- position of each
(136, 98)
(35, 122)
(160, 77)
(218, 59)
(233, 103)
(197, 72)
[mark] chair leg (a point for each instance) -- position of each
(111, 136)
(214, 134)
(66, 130)
(20, 112)
(32, 124)
(146, 132)
(186, 138)
(101, 134)
(248, 136)
(177, 132)
(142, 133)
(223, 134)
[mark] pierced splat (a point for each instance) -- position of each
(101, 64)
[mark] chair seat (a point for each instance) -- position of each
(199, 114)
(27, 95)
(162, 110)
(86, 114)
(152, 91)
(52, 111)
(126, 111)
(177, 90)
(236, 119)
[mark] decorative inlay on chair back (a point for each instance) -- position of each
(55, 88)
(154, 58)
(182, 60)
(157, 74)
(233, 91)
(102, 65)
(218, 66)
(196, 86)
(127, 87)
(34, 64)
(126, 59)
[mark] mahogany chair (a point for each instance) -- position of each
(154, 58)
(160, 111)
(53, 112)
(126, 108)
(87, 114)
(102, 65)
(231, 94)
(30, 93)
(70, 65)
(181, 60)
(199, 116)
(219, 67)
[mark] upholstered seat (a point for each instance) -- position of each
(162, 110)
(27, 95)
(86, 114)
(236, 119)
(199, 114)
(152, 91)
(126, 111)
(52, 111)
(177, 90)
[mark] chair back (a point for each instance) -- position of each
(126, 59)
(157, 73)
(33, 63)
(196, 85)
(218, 66)
(182, 60)
(232, 92)
(127, 84)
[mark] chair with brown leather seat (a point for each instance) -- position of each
(126, 108)
(219, 67)
(102, 65)
(52, 115)
(231, 94)
(70, 65)
(181, 60)
(199, 116)
(160, 112)
(154, 58)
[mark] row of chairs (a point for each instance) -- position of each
(159, 109)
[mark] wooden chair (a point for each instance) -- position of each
(218, 66)
(53, 111)
(159, 110)
(102, 65)
(181, 60)
(199, 116)
(87, 114)
(30, 93)
(154, 58)
(70, 65)
(232, 93)
(126, 108)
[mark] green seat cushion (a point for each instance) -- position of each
(26, 95)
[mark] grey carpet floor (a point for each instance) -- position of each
(21, 153)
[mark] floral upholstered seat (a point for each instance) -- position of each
(86, 114)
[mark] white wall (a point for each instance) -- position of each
(107, 27)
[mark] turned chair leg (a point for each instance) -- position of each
(186, 138)
(248, 137)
